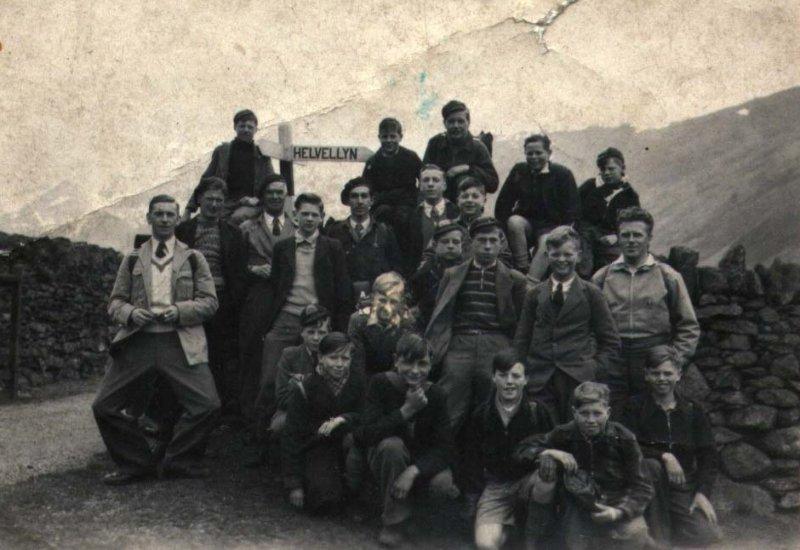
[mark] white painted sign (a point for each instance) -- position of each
(324, 153)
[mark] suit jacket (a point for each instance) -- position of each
(420, 231)
(377, 252)
(579, 339)
(293, 360)
(260, 240)
(234, 255)
(561, 204)
(331, 280)
(193, 294)
(510, 285)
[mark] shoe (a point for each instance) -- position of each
(391, 536)
(119, 478)
(187, 471)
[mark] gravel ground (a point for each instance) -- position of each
(51, 497)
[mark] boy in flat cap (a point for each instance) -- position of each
(476, 311)
(448, 251)
(392, 172)
(370, 246)
(458, 152)
(243, 167)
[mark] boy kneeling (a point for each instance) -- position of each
(321, 465)
(680, 455)
(598, 468)
(407, 430)
(496, 429)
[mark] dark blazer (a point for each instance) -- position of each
(425, 286)
(308, 409)
(510, 285)
(430, 442)
(560, 195)
(234, 256)
(331, 280)
(445, 154)
(685, 432)
(594, 209)
(375, 253)
(293, 360)
(393, 178)
(580, 339)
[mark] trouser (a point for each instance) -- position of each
(333, 472)
(285, 332)
(387, 461)
(594, 253)
(222, 336)
(467, 372)
(556, 395)
(141, 358)
(668, 514)
(626, 372)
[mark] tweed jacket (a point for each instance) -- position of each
(193, 294)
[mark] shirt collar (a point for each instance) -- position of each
(365, 224)
(170, 243)
(565, 285)
(620, 265)
(312, 240)
(439, 206)
(476, 265)
(269, 219)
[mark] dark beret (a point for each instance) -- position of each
(453, 106)
(355, 182)
(610, 153)
(446, 228)
(313, 314)
(245, 114)
(483, 224)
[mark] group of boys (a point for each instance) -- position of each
(420, 343)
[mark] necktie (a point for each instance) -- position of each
(276, 227)
(435, 216)
(359, 231)
(161, 249)
(558, 295)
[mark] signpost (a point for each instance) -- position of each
(288, 153)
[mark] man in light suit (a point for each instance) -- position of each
(161, 298)
(262, 234)
(475, 314)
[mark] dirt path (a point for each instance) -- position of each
(51, 497)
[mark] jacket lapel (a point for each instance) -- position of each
(503, 285)
(145, 253)
(450, 292)
(573, 297)
(179, 256)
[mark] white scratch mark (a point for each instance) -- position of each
(541, 26)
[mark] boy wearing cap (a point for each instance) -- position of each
(597, 466)
(433, 211)
(476, 311)
(566, 332)
(680, 455)
(297, 362)
(392, 172)
(370, 247)
(537, 196)
(600, 205)
(243, 167)
(458, 152)
(448, 251)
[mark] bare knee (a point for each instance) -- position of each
(490, 536)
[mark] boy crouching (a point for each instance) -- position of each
(596, 466)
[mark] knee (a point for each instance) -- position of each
(651, 467)
(517, 224)
(443, 486)
(489, 537)
(539, 491)
(391, 447)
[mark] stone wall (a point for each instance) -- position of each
(745, 370)
(64, 326)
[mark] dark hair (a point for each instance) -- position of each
(590, 392)
(332, 342)
(269, 180)
(430, 166)
(352, 184)
(505, 360)
(309, 198)
(561, 235)
(636, 214)
(245, 114)
(161, 198)
(608, 154)
(468, 182)
(454, 106)
(389, 124)
(212, 183)
(541, 138)
(412, 347)
(659, 355)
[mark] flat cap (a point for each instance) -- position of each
(446, 228)
(483, 224)
(313, 314)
